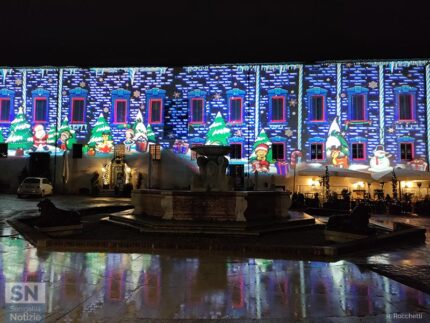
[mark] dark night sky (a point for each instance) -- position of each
(192, 32)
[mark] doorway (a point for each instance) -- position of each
(40, 165)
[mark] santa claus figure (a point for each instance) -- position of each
(40, 138)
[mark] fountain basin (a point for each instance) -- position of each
(212, 150)
(240, 206)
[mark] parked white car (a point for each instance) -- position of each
(35, 186)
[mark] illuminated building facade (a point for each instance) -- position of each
(356, 115)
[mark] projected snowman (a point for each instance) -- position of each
(380, 161)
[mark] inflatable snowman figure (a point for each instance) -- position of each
(380, 161)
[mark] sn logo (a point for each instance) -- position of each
(25, 293)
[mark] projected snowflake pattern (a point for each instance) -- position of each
(373, 85)
(292, 102)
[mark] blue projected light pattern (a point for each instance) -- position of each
(256, 107)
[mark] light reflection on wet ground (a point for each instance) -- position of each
(97, 286)
(110, 287)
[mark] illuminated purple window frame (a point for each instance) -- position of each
(278, 97)
(35, 109)
(151, 112)
(240, 99)
(193, 107)
(411, 106)
(72, 112)
(410, 91)
(353, 107)
(9, 113)
(115, 112)
(313, 114)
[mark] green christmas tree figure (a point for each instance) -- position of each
(218, 132)
(52, 135)
(101, 136)
(20, 135)
(150, 134)
(140, 131)
(337, 148)
(66, 135)
(261, 157)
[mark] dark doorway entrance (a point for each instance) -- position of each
(237, 173)
(39, 165)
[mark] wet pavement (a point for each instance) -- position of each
(113, 287)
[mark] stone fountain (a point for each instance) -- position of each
(211, 197)
(212, 169)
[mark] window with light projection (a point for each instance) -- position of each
(120, 111)
(236, 151)
(78, 99)
(405, 107)
(278, 103)
(155, 106)
(406, 151)
(405, 103)
(40, 105)
(316, 97)
(155, 111)
(278, 151)
(196, 108)
(5, 110)
(119, 108)
(277, 106)
(317, 151)
(40, 109)
(6, 106)
(357, 107)
(358, 151)
(235, 99)
(235, 109)
(78, 108)
(357, 104)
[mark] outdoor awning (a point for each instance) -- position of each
(402, 174)
(334, 171)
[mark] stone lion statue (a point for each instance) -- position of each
(50, 215)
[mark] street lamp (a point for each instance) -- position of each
(154, 154)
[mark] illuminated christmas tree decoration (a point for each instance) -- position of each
(218, 132)
(20, 135)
